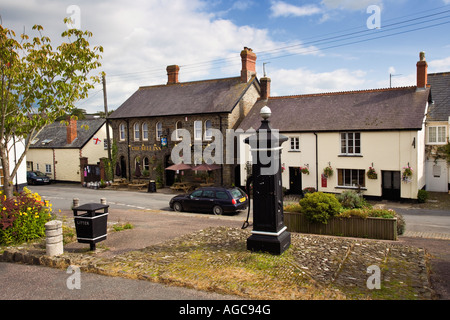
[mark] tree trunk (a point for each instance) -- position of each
(8, 187)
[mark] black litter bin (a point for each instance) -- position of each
(151, 186)
(91, 223)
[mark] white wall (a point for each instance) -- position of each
(384, 150)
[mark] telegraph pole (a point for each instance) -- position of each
(105, 102)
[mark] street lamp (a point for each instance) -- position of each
(269, 233)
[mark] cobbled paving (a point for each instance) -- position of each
(336, 266)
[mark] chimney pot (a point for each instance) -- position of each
(248, 58)
(422, 71)
(71, 130)
(265, 88)
(172, 74)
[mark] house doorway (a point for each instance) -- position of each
(295, 180)
(123, 167)
(391, 181)
(170, 174)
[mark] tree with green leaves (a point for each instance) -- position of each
(40, 84)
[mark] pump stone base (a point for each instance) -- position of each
(273, 244)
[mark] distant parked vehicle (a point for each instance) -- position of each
(37, 177)
(217, 200)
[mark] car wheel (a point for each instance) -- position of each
(217, 210)
(177, 207)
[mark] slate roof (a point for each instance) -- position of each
(197, 97)
(54, 136)
(379, 109)
(440, 93)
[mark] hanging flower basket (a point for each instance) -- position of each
(372, 174)
(304, 170)
(328, 171)
(407, 174)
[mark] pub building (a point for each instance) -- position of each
(143, 125)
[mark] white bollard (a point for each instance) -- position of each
(54, 242)
(76, 202)
(103, 200)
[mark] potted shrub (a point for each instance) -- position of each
(304, 170)
(328, 171)
(407, 174)
(372, 174)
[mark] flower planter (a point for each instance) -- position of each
(372, 228)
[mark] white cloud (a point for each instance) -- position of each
(283, 9)
(351, 4)
(441, 65)
(304, 81)
(143, 38)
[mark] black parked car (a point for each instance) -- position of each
(217, 200)
(37, 177)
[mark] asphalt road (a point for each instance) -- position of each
(61, 197)
(43, 283)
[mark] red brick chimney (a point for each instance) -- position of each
(172, 74)
(422, 72)
(265, 88)
(71, 130)
(248, 64)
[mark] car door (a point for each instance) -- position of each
(207, 200)
(191, 203)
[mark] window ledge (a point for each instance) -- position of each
(349, 187)
(356, 155)
(294, 151)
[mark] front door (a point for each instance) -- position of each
(295, 180)
(391, 181)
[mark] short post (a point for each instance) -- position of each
(54, 241)
(103, 200)
(76, 202)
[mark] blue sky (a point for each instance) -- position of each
(293, 37)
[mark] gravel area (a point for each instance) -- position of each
(216, 259)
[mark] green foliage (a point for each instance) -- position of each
(23, 218)
(422, 196)
(292, 207)
(319, 206)
(375, 213)
(40, 84)
(351, 200)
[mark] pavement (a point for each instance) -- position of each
(158, 226)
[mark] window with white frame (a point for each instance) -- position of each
(437, 135)
(146, 164)
(178, 126)
(351, 178)
(294, 143)
(350, 143)
(158, 131)
(122, 132)
(137, 132)
(145, 131)
(198, 130)
(48, 168)
(208, 132)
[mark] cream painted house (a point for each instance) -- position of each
(350, 132)
(437, 133)
(16, 149)
(69, 153)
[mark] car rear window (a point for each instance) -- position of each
(236, 193)
(221, 195)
